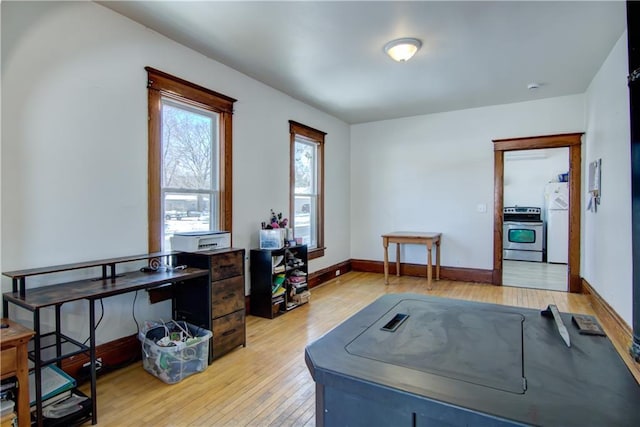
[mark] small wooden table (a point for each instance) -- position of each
(13, 341)
(416, 238)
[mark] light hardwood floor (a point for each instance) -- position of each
(537, 275)
(267, 383)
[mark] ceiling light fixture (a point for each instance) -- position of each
(402, 50)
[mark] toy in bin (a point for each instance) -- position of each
(174, 350)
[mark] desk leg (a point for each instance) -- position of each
(92, 357)
(37, 365)
(398, 259)
(58, 330)
(429, 247)
(438, 259)
(385, 244)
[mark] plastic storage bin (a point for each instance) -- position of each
(272, 239)
(173, 363)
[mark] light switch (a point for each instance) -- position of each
(482, 208)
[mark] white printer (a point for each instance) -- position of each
(193, 241)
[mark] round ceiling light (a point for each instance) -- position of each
(402, 50)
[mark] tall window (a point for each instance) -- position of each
(307, 186)
(189, 159)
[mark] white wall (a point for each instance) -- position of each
(73, 158)
(606, 243)
(74, 147)
(431, 172)
(527, 172)
(1, 269)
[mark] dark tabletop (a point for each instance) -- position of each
(506, 362)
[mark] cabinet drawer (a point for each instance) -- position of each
(9, 358)
(228, 333)
(227, 265)
(227, 296)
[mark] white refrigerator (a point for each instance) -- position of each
(557, 221)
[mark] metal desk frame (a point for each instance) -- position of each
(108, 284)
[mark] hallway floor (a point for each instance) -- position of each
(536, 275)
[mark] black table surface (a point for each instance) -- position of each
(506, 362)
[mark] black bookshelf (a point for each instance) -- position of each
(278, 279)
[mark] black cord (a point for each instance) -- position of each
(133, 312)
(99, 320)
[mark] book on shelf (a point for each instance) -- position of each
(54, 381)
(54, 399)
(8, 384)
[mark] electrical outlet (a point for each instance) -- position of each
(98, 364)
(337, 272)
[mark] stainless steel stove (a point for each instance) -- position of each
(523, 233)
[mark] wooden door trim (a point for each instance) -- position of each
(574, 142)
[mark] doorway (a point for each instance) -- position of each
(535, 219)
(573, 142)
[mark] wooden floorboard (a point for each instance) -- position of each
(267, 383)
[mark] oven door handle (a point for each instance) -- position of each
(523, 223)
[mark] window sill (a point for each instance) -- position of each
(315, 253)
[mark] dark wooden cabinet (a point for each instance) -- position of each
(278, 280)
(219, 304)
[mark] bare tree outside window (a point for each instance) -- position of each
(189, 188)
(187, 147)
(304, 167)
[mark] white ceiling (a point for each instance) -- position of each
(330, 54)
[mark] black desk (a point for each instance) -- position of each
(54, 346)
(460, 363)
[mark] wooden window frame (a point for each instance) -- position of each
(318, 137)
(159, 85)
